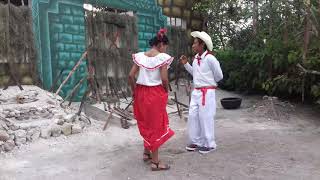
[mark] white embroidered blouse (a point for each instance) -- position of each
(149, 67)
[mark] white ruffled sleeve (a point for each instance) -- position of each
(152, 63)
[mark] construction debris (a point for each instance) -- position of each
(33, 113)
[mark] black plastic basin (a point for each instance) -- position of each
(231, 102)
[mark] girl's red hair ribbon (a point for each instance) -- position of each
(161, 33)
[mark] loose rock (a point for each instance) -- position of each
(67, 129)
(70, 118)
(59, 121)
(76, 129)
(45, 133)
(55, 130)
(4, 136)
(33, 134)
(9, 146)
(20, 137)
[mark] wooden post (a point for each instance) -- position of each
(97, 89)
(72, 71)
(178, 108)
(56, 80)
(83, 101)
(129, 104)
(74, 90)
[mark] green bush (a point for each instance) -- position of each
(269, 68)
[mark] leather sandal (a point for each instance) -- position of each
(158, 168)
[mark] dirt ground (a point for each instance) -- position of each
(249, 147)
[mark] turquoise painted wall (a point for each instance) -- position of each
(59, 27)
(60, 38)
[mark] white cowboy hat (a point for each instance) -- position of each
(204, 37)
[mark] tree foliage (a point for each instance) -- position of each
(260, 43)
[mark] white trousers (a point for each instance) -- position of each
(201, 119)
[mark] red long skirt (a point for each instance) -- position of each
(150, 112)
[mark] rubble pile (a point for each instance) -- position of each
(272, 109)
(34, 113)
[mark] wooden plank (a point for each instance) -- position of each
(184, 105)
(124, 112)
(82, 102)
(72, 71)
(129, 104)
(56, 80)
(74, 90)
(107, 121)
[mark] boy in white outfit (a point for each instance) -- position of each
(206, 72)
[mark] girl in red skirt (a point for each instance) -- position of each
(150, 93)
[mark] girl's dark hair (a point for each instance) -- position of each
(155, 41)
(159, 38)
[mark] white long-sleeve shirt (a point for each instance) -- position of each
(208, 73)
